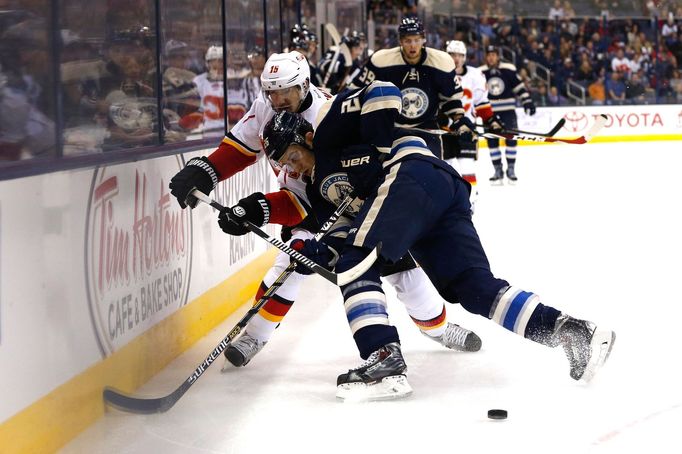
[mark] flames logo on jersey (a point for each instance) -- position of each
(467, 94)
(415, 102)
(496, 86)
(335, 188)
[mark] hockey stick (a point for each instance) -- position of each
(126, 402)
(340, 48)
(599, 123)
(335, 278)
(560, 124)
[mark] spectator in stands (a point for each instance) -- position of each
(256, 58)
(127, 100)
(584, 75)
(556, 12)
(565, 73)
(26, 129)
(669, 30)
(620, 62)
(676, 86)
(615, 89)
(555, 98)
(634, 90)
(597, 91)
(180, 94)
(569, 12)
(540, 96)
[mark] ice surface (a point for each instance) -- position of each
(595, 230)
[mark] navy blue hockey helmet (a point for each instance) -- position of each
(410, 26)
(299, 42)
(354, 39)
(282, 130)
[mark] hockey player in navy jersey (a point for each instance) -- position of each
(341, 62)
(504, 87)
(426, 79)
(412, 201)
(286, 86)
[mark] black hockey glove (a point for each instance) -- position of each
(361, 163)
(199, 174)
(529, 107)
(317, 251)
(254, 208)
(464, 128)
(494, 124)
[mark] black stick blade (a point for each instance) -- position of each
(141, 405)
(557, 127)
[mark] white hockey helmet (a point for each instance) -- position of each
(456, 47)
(214, 53)
(289, 69)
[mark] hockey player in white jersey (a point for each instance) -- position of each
(476, 104)
(286, 86)
(210, 86)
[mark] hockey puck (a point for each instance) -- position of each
(497, 414)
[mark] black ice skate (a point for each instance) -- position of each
(242, 351)
(586, 348)
(511, 175)
(498, 178)
(381, 376)
(457, 338)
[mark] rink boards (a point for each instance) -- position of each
(624, 123)
(104, 281)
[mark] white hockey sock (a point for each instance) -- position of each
(422, 301)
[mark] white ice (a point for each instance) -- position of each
(595, 230)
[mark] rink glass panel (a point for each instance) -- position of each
(28, 120)
(193, 105)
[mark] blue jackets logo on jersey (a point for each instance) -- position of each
(415, 102)
(496, 86)
(335, 187)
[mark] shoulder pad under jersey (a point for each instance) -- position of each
(507, 66)
(439, 60)
(387, 57)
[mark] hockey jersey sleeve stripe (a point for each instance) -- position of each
(239, 146)
(381, 95)
(380, 104)
(231, 157)
(286, 208)
(406, 146)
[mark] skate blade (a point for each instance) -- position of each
(499, 182)
(393, 387)
(601, 346)
(512, 182)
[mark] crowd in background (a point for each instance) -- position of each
(101, 89)
(563, 58)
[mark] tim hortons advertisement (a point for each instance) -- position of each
(138, 250)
